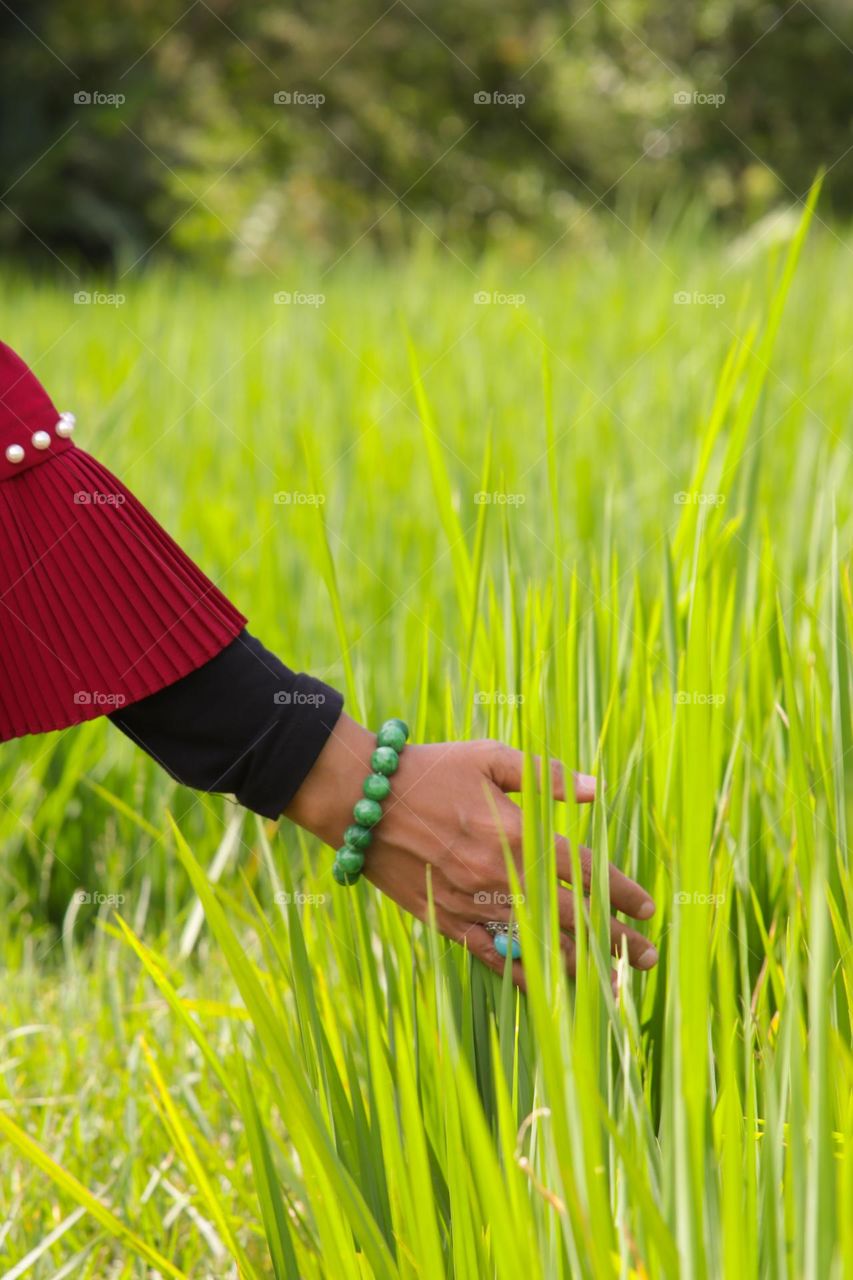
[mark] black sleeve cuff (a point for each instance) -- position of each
(243, 723)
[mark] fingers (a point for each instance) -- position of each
(482, 906)
(641, 953)
(625, 894)
(481, 945)
(584, 787)
(506, 765)
(570, 952)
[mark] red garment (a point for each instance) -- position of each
(99, 607)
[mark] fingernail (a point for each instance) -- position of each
(584, 785)
(646, 910)
(648, 959)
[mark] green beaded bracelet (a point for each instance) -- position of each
(349, 859)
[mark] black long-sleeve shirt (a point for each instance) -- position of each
(243, 723)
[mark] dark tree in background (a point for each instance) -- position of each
(128, 132)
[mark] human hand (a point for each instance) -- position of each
(448, 811)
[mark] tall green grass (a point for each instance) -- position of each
(307, 1084)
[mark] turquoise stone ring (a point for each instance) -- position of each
(505, 938)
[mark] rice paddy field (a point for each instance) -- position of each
(596, 505)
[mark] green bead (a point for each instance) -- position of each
(367, 812)
(351, 860)
(401, 725)
(391, 734)
(343, 877)
(376, 787)
(384, 760)
(357, 837)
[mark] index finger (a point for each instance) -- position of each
(506, 766)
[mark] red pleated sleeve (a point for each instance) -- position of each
(99, 606)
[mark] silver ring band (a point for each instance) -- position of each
(502, 927)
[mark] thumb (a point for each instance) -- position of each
(506, 764)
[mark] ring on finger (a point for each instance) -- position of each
(505, 937)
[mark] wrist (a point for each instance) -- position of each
(323, 804)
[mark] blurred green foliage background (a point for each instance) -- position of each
(153, 128)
